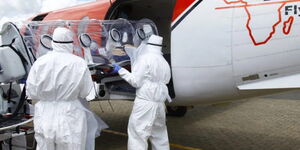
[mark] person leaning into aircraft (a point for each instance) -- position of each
(150, 74)
(61, 81)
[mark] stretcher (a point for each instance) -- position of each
(15, 118)
(14, 129)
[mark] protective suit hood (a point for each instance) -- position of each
(154, 45)
(62, 40)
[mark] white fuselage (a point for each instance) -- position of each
(222, 44)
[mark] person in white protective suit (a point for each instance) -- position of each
(149, 76)
(60, 82)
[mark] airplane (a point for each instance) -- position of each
(219, 50)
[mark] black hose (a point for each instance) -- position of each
(22, 42)
(9, 96)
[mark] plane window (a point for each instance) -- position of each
(39, 17)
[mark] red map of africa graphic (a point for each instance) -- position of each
(287, 25)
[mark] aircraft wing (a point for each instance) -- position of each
(286, 82)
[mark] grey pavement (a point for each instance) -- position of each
(253, 124)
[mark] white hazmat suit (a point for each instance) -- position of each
(149, 76)
(60, 82)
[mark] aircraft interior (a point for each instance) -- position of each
(160, 12)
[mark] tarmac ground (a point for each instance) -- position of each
(254, 124)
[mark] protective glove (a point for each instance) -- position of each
(116, 68)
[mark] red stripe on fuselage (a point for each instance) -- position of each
(180, 7)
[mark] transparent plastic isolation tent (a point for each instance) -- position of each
(100, 42)
(97, 41)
